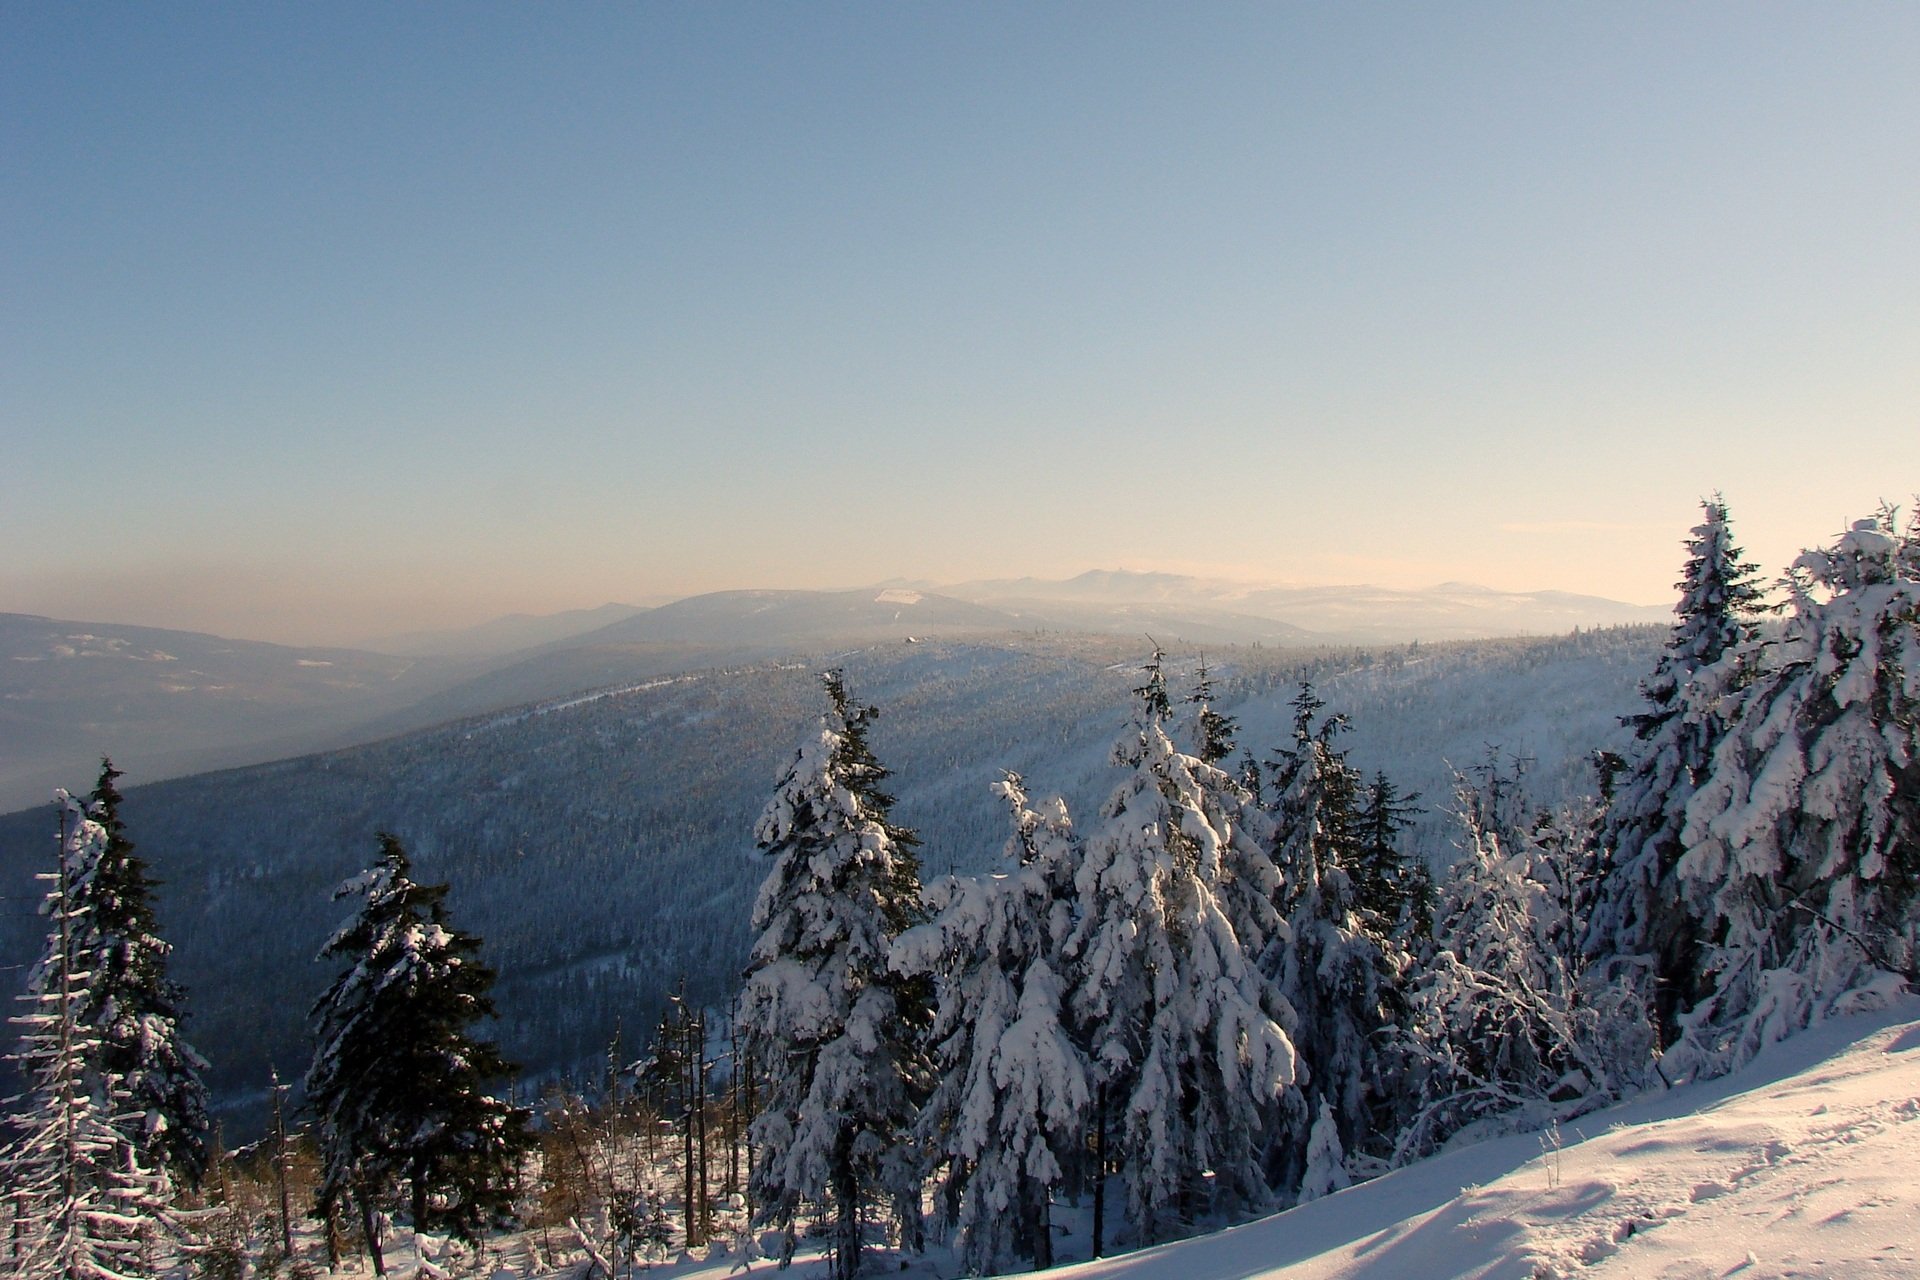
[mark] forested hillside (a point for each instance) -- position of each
(602, 844)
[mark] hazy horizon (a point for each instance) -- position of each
(166, 616)
(330, 323)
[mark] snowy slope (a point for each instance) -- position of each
(1805, 1164)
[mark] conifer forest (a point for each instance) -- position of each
(1231, 966)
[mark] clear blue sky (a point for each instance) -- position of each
(319, 321)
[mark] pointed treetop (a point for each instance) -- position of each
(1216, 730)
(1718, 594)
(1153, 693)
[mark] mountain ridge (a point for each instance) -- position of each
(250, 701)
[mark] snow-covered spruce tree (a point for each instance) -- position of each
(398, 1085)
(1338, 967)
(1803, 841)
(93, 1209)
(1248, 883)
(1008, 1111)
(1213, 729)
(837, 1033)
(1187, 1036)
(132, 1005)
(1504, 1030)
(1640, 921)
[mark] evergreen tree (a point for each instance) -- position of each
(131, 1003)
(398, 1085)
(1802, 862)
(1215, 730)
(1189, 1037)
(1339, 967)
(93, 1208)
(838, 1032)
(1640, 920)
(1012, 1095)
(1392, 887)
(1314, 797)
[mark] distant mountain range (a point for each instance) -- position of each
(1238, 612)
(165, 703)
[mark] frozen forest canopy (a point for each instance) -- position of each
(1225, 965)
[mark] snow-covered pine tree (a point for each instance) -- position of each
(1802, 843)
(132, 1004)
(838, 1034)
(1008, 1111)
(1338, 966)
(1215, 730)
(1314, 793)
(398, 1085)
(94, 1210)
(1640, 921)
(1503, 1028)
(1187, 1035)
(1249, 882)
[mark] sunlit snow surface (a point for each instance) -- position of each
(1806, 1164)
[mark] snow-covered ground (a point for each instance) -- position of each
(1806, 1164)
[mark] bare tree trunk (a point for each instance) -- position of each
(1100, 1172)
(752, 1102)
(370, 1225)
(280, 1163)
(418, 1181)
(733, 1108)
(699, 1036)
(686, 1138)
(846, 1197)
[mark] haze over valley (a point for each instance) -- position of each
(949, 639)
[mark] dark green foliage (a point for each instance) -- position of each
(1394, 888)
(398, 1086)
